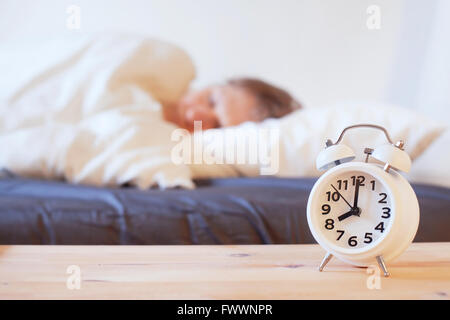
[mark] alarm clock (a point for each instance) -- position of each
(363, 212)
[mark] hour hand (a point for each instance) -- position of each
(346, 215)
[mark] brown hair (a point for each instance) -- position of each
(274, 102)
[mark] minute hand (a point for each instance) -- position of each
(355, 201)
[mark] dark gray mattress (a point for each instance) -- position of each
(219, 211)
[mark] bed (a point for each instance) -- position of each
(219, 211)
(90, 113)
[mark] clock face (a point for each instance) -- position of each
(354, 210)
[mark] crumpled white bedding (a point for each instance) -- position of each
(89, 111)
(95, 116)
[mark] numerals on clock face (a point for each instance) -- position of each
(355, 210)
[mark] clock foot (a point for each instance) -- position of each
(325, 260)
(382, 266)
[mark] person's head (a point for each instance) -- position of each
(236, 101)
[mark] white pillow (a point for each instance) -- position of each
(302, 136)
(432, 167)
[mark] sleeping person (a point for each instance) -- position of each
(102, 111)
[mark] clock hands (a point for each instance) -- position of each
(354, 210)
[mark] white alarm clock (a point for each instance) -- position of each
(363, 212)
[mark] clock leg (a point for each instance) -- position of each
(325, 260)
(382, 266)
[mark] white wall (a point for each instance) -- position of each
(433, 95)
(319, 49)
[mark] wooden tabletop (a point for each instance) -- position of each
(215, 272)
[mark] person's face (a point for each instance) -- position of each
(217, 106)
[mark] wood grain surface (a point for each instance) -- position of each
(216, 272)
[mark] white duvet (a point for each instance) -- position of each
(93, 113)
